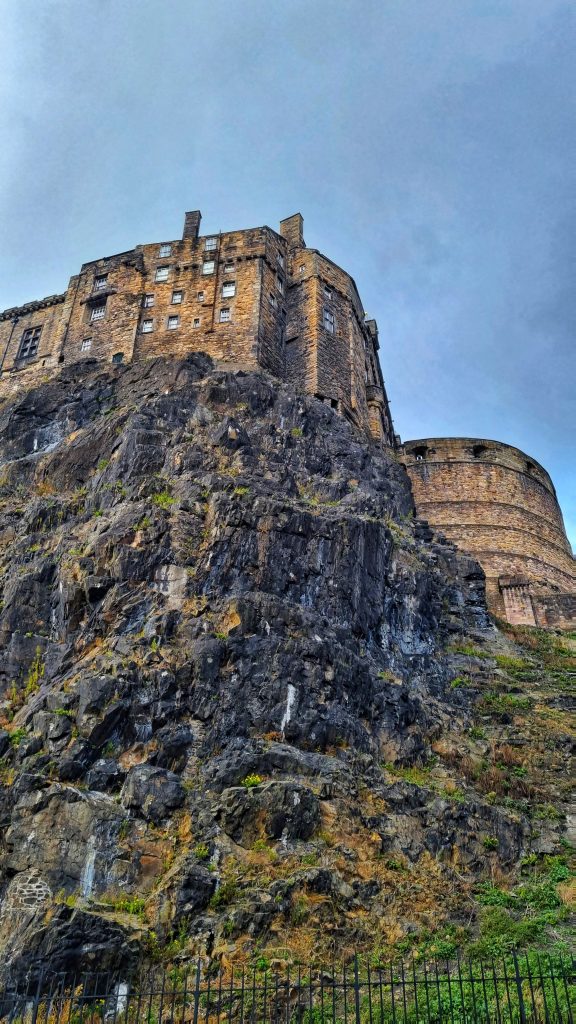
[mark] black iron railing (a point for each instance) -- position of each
(517, 990)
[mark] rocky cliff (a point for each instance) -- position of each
(249, 703)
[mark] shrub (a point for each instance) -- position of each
(251, 781)
(490, 843)
(163, 499)
(224, 894)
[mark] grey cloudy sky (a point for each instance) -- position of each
(429, 144)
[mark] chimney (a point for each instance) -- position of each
(192, 224)
(292, 229)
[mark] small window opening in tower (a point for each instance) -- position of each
(530, 467)
(479, 450)
(420, 452)
(329, 321)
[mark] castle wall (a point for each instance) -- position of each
(329, 346)
(500, 506)
(45, 318)
(251, 298)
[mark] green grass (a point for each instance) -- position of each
(163, 499)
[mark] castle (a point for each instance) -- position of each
(258, 298)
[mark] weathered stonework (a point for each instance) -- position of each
(251, 299)
(499, 505)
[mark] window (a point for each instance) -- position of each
(173, 322)
(208, 267)
(272, 300)
(200, 296)
(148, 301)
(165, 249)
(177, 297)
(162, 273)
(329, 321)
(280, 261)
(229, 267)
(210, 244)
(196, 321)
(327, 292)
(147, 326)
(100, 282)
(29, 344)
(302, 268)
(224, 315)
(86, 344)
(280, 285)
(420, 452)
(98, 312)
(229, 289)
(118, 357)
(478, 450)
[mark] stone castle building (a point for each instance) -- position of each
(499, 505)
(258, 298)
(253, 298)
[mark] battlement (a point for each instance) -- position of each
(250, 298)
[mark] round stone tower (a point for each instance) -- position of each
(499, 505)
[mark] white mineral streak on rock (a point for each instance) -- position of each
(87, 879)
(290, 698)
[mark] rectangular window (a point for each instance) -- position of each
(229, 289)
(196, 321)
(327, 292)
(200, 296)
(148, 301)
(162, 273)
(229, 267)
(280, 285)
(208, 267)
(165, 249)
(272, 300)
(100, 282)
(302, 268)
(177, 298)
(210, 244)
(224, 315)
(29, 344)
(173, 322)
(280, 261)
(86, 344)
(98, 312)
(329, 320)
(147, 326)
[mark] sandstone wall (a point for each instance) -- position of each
(500, 506)
(251, 298)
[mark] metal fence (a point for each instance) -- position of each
(517, 990)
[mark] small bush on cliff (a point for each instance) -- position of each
(251, 781)
(163, 499)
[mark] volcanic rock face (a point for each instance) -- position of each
(219, 620)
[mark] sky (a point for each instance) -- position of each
(429, 144)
